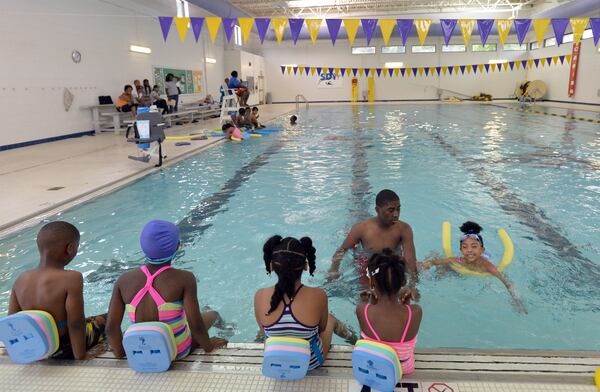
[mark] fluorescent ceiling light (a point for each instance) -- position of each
(310, 3)
(140, 49)
(394, 64)
(498, 61)
(212, 61)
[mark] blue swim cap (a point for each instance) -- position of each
(159, 241)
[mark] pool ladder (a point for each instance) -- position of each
(301, 98)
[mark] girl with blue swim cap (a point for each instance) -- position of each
(159, 292)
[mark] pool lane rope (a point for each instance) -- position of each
(507, 257)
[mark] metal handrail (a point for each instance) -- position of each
(304, 100)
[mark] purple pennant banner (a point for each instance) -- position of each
(319, 70)
(283, 69)
(522, 26)
(367, 70)
(354, 71)
(448, 26)
(228, 24)
(295, 70)
(549, 60)
(343, 71)
(414, 70)
(402, 71)
(595, 24)
(511, 64)
(390, 71)
(369, 26)
(474, 68)
(378, 72)
(196, 26)
(450, 69)
(404, 25)
(484, 26)
(438, 69)
(462, 69)
(426, 71)
(562, 59)
(165, 25)
(559, 25)
(333, 25)
(537, 62)
(487, 67)
(524, 63)
(295, 27)
(262, 25)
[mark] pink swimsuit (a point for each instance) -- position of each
(404, 349)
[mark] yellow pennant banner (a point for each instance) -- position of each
(578, 25)
(213, 23)
(503, 26)
(386, 26)
(279, 27)
(351, 26)
(540, 26)
(313, 28)
(422, 26)
(246, 27)
(182, 27)
(466, 28)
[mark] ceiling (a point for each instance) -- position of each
(333, 8)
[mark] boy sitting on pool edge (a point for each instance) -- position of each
(51, 288)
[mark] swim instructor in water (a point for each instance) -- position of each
(385, 230)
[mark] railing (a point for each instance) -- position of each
(442, 90)
(301, 98)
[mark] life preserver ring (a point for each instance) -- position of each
(507, 257)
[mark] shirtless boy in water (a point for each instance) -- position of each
(53, 289)
(377, 233)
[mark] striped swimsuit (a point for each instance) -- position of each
(171, 313)
(288, 326)
(404, 349)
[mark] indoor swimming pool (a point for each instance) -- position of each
(536, 176)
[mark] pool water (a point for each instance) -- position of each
(536, 176)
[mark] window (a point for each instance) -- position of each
(363, 50)
(548, 42)
(587, 34)
(183, 8)
(237, 35)
(534, 45)
(423, 48)
(393, 49)
(394, 64)
(567, 38)
(515, 47)
(483, 48)
(454, 48)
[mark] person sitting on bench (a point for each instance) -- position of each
(125, 101)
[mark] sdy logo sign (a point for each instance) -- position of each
(327, 76)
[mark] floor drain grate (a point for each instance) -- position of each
(55, 188)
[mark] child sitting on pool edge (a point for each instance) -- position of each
(159, 292)
(473, 258)
(386, 319)
(51, 288)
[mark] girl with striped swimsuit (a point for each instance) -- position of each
(292, 309)
(385, 319)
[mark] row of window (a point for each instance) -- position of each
(462, 48)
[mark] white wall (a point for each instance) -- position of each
(498, 84)
(36, 40)
(587, 88)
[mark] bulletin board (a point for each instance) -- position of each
(191, 81)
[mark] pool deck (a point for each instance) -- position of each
(237, 368)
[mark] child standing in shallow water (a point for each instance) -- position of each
(471, 247)
(159, 292)
(51, 288)
(385, 319)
